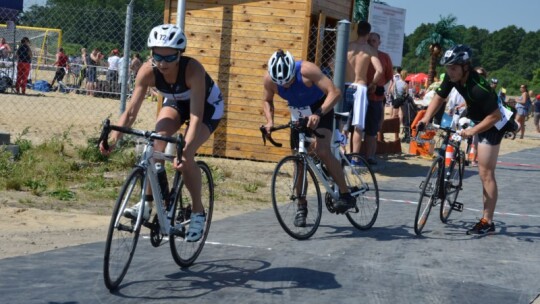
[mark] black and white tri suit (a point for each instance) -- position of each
(178, 96)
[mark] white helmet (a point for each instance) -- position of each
(167, 35)
(281, 67)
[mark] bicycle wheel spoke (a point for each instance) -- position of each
(185, 253)
(453, 186)
(428, 196)
(289, 189)
(123, 234)
(362, 183)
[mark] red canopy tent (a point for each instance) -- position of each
(418, 77)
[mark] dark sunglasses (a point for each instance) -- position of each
(168, 58)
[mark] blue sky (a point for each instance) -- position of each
(487, 14)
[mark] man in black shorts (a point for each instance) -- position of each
(483, 110)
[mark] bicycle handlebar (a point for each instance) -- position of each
(150, 135)
(300, 126)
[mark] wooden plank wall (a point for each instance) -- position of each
(233, 39)
(337, 9)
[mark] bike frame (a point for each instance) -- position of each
(148, 163)
(302, 151)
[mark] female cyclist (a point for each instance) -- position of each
(190, 94)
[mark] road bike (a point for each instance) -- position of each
(444, 179)
(172, 216)
(297, 177)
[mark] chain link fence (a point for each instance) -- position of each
(322, 49)
(74, 107)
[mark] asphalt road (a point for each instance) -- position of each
(249, 259)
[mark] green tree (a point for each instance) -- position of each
(438, 38)
(96, 23)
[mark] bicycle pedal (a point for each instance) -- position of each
(178, 232)
(458, 207)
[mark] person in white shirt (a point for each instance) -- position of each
(112, 70)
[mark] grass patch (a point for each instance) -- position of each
(58, 175)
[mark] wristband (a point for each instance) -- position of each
(319, 112)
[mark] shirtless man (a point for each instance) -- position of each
(359, 57)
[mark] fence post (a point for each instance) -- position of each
(181, 14)
(125, 62)
(342, 44)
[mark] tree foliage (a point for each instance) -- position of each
(96, 23)
(509, 54)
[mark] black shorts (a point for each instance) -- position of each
(60, 73)
(326, 122)
(491, 137)
(373, 117)
(183, 109)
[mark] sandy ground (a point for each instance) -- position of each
(27, 230)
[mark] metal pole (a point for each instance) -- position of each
(125, 62)
(342, 43)
(181, 14)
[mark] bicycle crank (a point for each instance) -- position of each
(155, 233)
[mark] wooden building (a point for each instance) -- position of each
(234, 39)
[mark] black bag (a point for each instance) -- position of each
(5, 83)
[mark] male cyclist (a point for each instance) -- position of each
(190, 94)
(483, 109)
(309, 93)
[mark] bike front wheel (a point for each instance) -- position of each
(429, 195)
(123, 232)
(453, 186)
(289, 186)
(362, 183)
(185, 253)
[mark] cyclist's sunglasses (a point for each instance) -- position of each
(168, 58)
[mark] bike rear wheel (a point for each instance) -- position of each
(185, 253)
(123, 232)
(363, 185)
(286, 189)
(428, 195)
(453, 186)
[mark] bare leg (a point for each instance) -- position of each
(487, 161)
(371, 146)
(356, 140)
(169, 123)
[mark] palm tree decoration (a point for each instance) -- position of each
(360, 10)
(438, 38)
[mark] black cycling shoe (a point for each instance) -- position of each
(345, 202)
(300, 218)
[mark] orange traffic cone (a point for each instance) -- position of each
(449, 155)
(472, 153)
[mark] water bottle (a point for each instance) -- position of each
(162, 179)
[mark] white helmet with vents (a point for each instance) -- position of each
(281, 67)
(167, 35)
